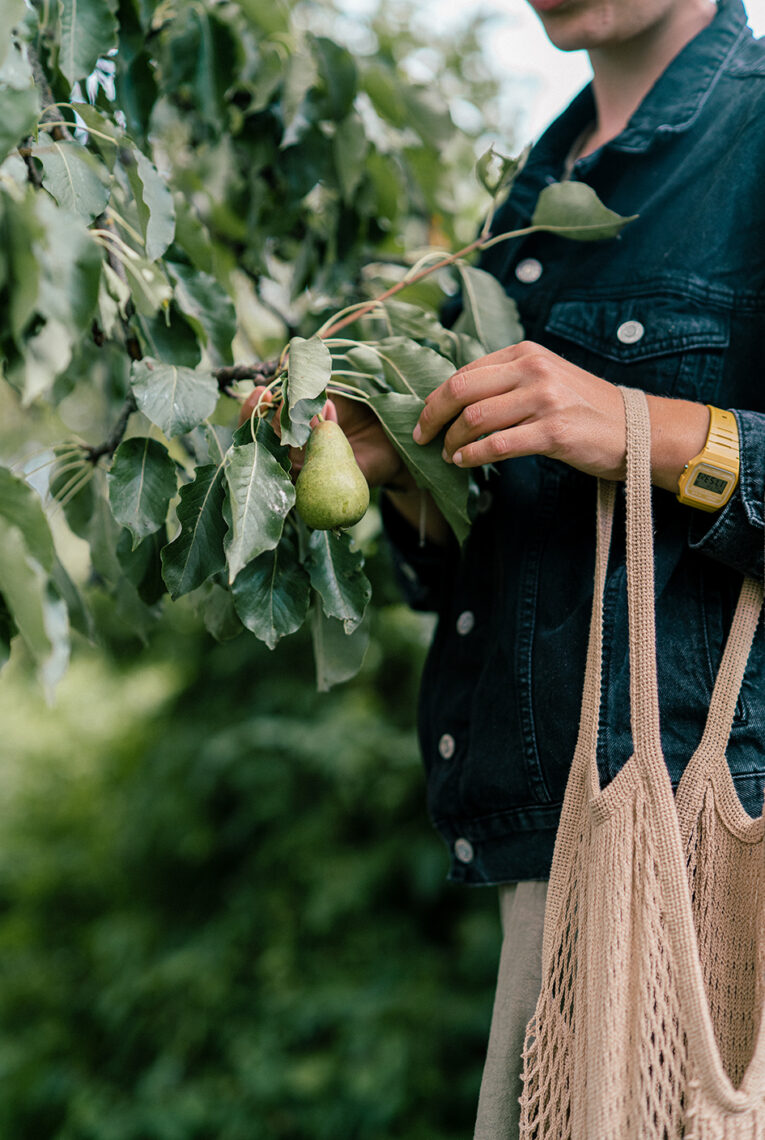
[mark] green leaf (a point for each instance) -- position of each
(411, 368)
(11, 13)
(175, 399)
(21, 507)
(337, 71)
(337, 575)
(209, 310)
(351, 148)
(385, 92)
(448, 484)
(337, 654)
(142, 481)
(489, 314)
(154, 204)
(497, 171)
(88, 30)
(74, 177)
(149, 288)
(218, 439)
(40, 616)
(271, 595)
(69, 262)
(216, 604)
(80, 617)
(574, 210)
(309, 371)
(47, 354)
(135, 83)
(300, 75)
(113, 298)
(411, 320)
(197, 551)
(103, 533)
(142, 564)
(18, 96)
(169, 338)
(260, 495)
(201, 57)
(99, 124)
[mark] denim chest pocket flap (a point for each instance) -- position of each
(638, 328)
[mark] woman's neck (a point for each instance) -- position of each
(624, 73)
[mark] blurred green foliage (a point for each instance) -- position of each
(222, 911)
(223, 915)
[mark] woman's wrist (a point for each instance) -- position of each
(678, 432)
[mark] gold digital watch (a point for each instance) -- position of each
(710, 478)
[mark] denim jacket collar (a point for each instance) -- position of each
(672, 104)
(678, 97)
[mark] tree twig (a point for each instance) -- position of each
(260, 370)
(110, 445)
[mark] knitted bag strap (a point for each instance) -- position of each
(644, 689)
(589, 721)
(677, 908)
(731, 673)
(582, 784)
(643, 677)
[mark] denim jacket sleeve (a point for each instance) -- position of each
(735, 536)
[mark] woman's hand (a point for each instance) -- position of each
(378, 459)
(525, 400)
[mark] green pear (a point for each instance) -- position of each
(331, 490)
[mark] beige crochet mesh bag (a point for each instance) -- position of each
(649, 1024)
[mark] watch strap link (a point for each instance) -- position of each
(723, 432)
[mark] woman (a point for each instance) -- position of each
(670, 130)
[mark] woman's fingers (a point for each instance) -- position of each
(465, 388)
(259, 395)
(527, 400)
(487, 416)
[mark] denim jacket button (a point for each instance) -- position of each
(465, 622)
(630, 332)
(463, 849)
(446, 746)
(484, 502)
(529, 270)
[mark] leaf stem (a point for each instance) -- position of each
(129, 252)
(348, 392)
(125, 225)
(73, 486)
(90, 130)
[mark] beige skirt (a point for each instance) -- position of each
(522, 909)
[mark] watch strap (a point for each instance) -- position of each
(721, 451)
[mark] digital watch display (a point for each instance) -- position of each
(710, 478)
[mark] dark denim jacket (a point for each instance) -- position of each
(674, 306)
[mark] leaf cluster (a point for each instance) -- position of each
(182, 185)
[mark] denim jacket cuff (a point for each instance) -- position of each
(735, 535)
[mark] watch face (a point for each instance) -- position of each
(709, 486)
(706, 482)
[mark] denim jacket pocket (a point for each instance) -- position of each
(664, 344)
